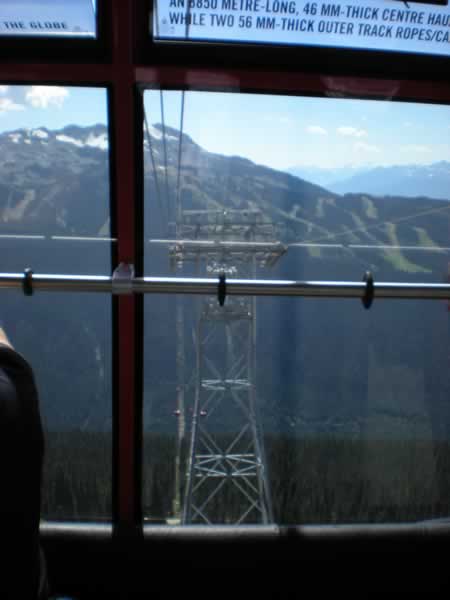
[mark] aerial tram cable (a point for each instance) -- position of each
(180, 335)
(161, 98)
(155, 173)
(180, 150)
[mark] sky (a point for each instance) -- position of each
(276, 131)
(53, 107)
(285, 131)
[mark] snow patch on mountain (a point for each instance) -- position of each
(70, 140)
(155, 133)
(98, 141)
(15, 137)
(39, 133)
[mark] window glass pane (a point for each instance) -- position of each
(344, 407)
(342, 417)
(344, 185)
(419, 27)
(54, 210)
(48, 18)
(54, 218)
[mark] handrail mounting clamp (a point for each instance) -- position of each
(122, 279)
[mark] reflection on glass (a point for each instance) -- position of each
(295, 410)
(54, 218)
(67, 340)
(48, 18)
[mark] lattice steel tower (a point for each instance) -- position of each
(226, 473)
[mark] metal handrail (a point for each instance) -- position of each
(234, 287)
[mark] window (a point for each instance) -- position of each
(272, 166)
(295, 410)
(55, 219)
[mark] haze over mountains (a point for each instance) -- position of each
(326, 176)
(323, 366)
(414, 180)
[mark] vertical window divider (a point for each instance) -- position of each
(139, 299)
(126, 482)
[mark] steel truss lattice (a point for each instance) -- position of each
(226, 475)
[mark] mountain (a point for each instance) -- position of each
(432, 181)
(212, 181)
(51, 180)
(304, 213)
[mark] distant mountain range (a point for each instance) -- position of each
(326, 177)
(412, 181)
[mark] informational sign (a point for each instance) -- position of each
(69, 18)
(400, 26)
